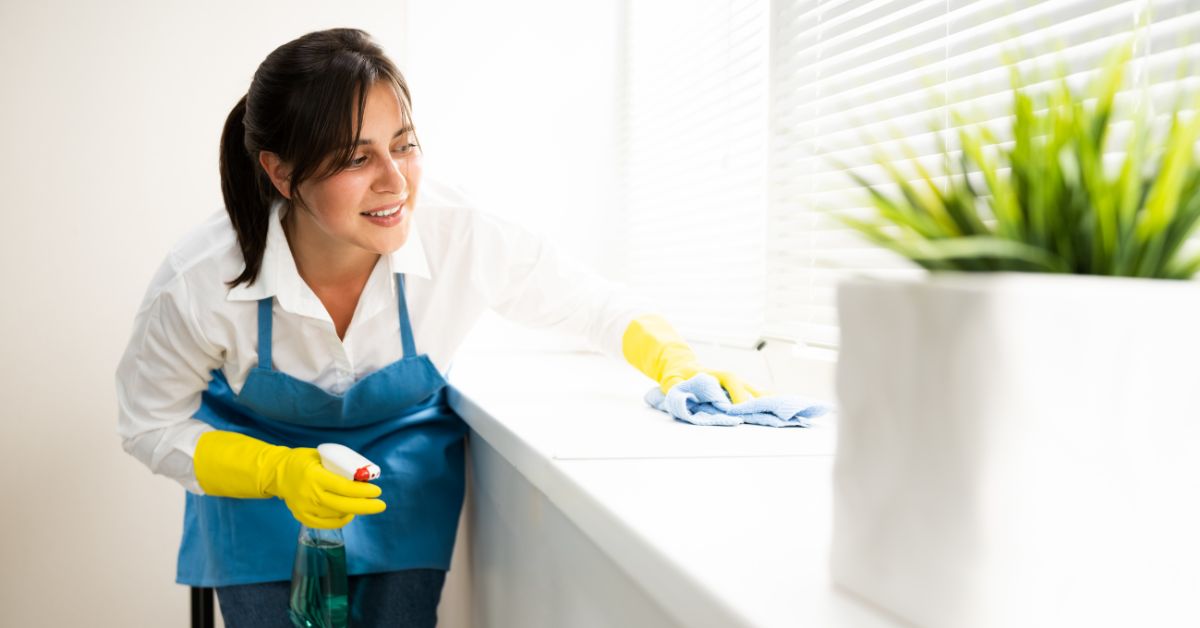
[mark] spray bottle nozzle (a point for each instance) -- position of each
(347, 463)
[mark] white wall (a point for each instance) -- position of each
(110, 118)
(518, 102)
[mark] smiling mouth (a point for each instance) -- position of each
(383, 213)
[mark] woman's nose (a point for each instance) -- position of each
(391, 178)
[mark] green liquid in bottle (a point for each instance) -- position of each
(318, 598)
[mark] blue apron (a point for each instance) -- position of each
(397, 417)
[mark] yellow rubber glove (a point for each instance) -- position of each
(229, 464)
(653, 347)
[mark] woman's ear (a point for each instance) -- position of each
(279, 172)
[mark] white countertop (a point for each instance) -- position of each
(722, 526)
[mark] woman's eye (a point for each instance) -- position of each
(358, 161)
(405, 148)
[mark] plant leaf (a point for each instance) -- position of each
(988, 246)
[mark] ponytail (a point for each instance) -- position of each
(246, 200)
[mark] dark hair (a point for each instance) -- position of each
(301, 106)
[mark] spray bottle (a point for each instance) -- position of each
(319, 582)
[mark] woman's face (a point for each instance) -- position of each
(382, 176)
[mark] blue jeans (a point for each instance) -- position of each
(406, 598)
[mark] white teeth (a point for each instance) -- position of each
(386, 212)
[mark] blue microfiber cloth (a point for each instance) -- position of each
(701, 401)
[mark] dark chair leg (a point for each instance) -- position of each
(202, 607)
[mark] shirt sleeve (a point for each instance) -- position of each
(162, 374)
(525, 278)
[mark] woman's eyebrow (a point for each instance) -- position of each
(362, 142)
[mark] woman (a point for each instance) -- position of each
(325, 305)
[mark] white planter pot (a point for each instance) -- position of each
(1020, 450)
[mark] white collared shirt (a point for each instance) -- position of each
(457, 261)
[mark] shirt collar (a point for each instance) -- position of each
(279, 277)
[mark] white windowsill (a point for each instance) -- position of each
(719, 526)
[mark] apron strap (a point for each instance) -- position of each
(264, 333)
(410, 348)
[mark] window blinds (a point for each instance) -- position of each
(851, 78)
(694, 141)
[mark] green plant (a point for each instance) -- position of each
(1056, 209)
